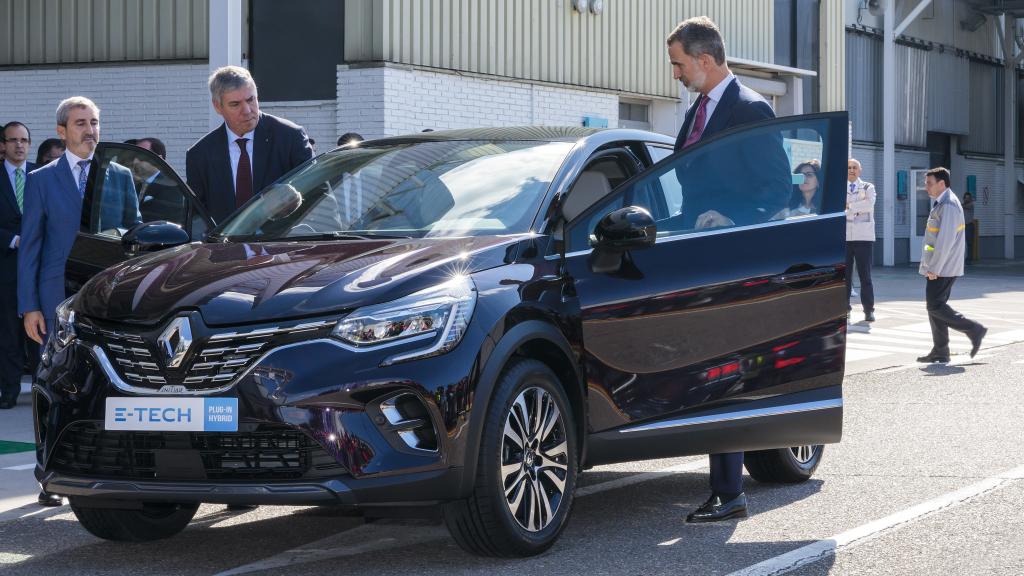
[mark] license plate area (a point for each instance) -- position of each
(171, 414)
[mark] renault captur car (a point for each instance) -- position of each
(457, 321)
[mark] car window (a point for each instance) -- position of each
(748, 177)
(426, 189)
(133, 185)
(598, 178)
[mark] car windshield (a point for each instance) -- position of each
(427, 189)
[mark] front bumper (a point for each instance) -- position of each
(329, 397)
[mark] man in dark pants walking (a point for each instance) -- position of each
(942, 261)
(860, 237)
(697, 53)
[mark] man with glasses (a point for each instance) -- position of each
(16, 142)
(860, 237)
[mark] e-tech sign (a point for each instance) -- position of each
(172, 414)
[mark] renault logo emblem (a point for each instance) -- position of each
(175, 341)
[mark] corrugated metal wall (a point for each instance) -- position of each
(72, 31)
(864, 87)
(546, 40)
(986, 109)
(948, 95)
(911, 96)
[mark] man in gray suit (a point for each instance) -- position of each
(942, 261)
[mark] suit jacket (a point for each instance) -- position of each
(278, 147)
(10, 226)
(119, 206)
(758, 164)
(52, 217)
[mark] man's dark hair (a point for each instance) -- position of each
(3, 132)
(939, 173)
(132, 141)
(45, 146)
(348, 137)
(156, 145)
(699, 35)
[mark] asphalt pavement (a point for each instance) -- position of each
(928, 479)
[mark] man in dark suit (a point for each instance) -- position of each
(697, 53)
(16, 142)
(249, 151)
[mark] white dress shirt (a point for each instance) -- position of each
(73, 163)
(713, 97)
(10, 175)
(235, 153)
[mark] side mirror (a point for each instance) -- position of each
(153, 236)
(628, 228)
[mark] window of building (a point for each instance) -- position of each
(797, 42)
(295, 48)
(635, 115)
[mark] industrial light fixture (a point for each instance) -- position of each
(972, 21)
(580, 5)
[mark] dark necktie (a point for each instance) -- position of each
(243, 177)
(698, 122)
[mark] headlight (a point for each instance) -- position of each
(439, 314)
(64, 332)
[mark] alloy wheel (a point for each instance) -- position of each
(803, 454)
(534, 459)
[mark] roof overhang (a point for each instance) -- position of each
(774, 69)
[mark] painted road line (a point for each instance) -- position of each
(882, 347)
(854, 355)
(692, 466)
(21, 467)
(846, 540)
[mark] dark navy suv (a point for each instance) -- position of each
(458, 321)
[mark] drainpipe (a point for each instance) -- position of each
(889, 135)
(1009, 140)
(225, 38)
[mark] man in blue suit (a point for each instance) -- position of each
(53, 213)
(697, 53)
(245, 154)
(16, 140)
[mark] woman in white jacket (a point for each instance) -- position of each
(860, 236)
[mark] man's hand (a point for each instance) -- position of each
(931, 275)
(17, 241)
(35, 325)
(712, 219)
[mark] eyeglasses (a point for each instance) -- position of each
(24, 141)
(809, 174)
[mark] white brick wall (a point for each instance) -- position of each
(387, 101)
(168, 101)
(318, 117)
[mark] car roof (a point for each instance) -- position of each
(524, 133)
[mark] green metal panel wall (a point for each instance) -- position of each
(81, 31)
(546, 40)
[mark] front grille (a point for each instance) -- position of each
(266, 452)
(212, 362)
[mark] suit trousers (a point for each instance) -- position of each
(862, 253)
(941, 316)
(727, 473)
(12, 345)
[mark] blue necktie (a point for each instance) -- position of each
(83, 175)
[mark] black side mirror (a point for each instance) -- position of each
(628, 228)
(153, 236)
(625, 229)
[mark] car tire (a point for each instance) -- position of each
(503, 516)
(784, 465)
(152, 522)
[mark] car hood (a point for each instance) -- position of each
(243, 283)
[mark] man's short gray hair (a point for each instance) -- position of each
(228, 78)
(68, 104)
(699, 35)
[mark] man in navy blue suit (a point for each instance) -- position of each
(52, 216)
(245, 154)
(697, 53)
(16, 141)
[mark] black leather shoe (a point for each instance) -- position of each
(47, 499)
(869, 316)
(242, 507)
(976, 340)
(934, 356)
(714, 510)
